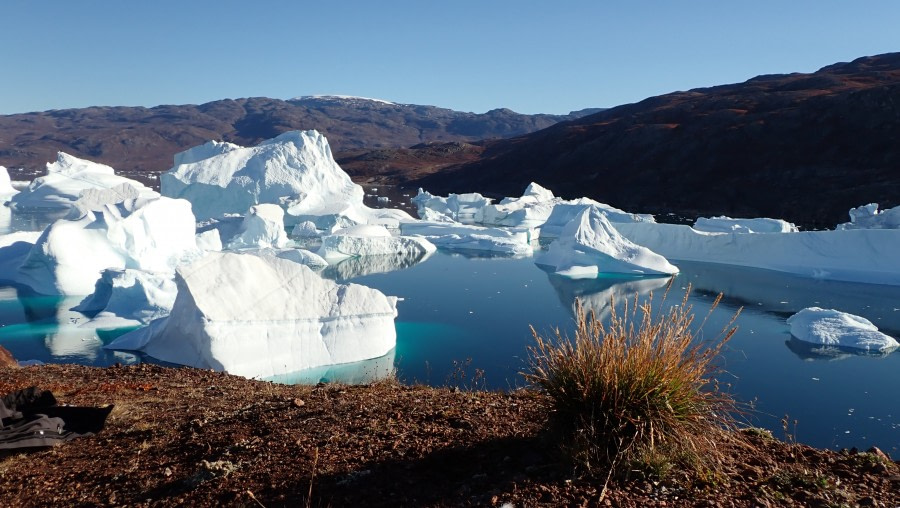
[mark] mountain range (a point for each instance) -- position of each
(138, 139)
(803, 147)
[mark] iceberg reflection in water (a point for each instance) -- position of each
(356, 373)
(367, 265)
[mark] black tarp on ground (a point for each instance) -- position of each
(31, 418)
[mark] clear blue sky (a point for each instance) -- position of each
(528, 56)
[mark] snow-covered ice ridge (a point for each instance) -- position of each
(345, 98)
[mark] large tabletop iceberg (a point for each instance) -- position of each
(589, 245)
(258, 317)
(833, 328)
(70, 179)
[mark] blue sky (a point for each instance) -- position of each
(532, 57)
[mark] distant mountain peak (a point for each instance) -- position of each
(340, 98)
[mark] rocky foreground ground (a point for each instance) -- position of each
(200, 438)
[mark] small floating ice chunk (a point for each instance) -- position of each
(834, 328)
(589, 245)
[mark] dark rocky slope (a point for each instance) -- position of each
(137, 139)
(804, 147)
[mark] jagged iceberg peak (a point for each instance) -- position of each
(295, 170)
(71, 182)
(589, 245)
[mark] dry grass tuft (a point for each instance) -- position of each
(638, 393)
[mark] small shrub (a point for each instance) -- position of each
(636, 390)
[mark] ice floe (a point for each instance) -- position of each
(260, 317)
(833, 328)
(862, 255)
(589, 245)
(869, 217)
(723, 224)
(71, 179)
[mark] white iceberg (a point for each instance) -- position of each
(259, 317)
(371, 240)
(565, 211)
(71, 179)
(530, 210)
(295, 170)
(262, 227)
(833, 328)
(861, 255)
(458, 207)
(70, 255)
(868, 217)
(723, 224)
(128, 298)
(589, 245)
(456, 236)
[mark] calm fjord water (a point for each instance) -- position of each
(465, 320)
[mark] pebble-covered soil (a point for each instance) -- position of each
(199, 438)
